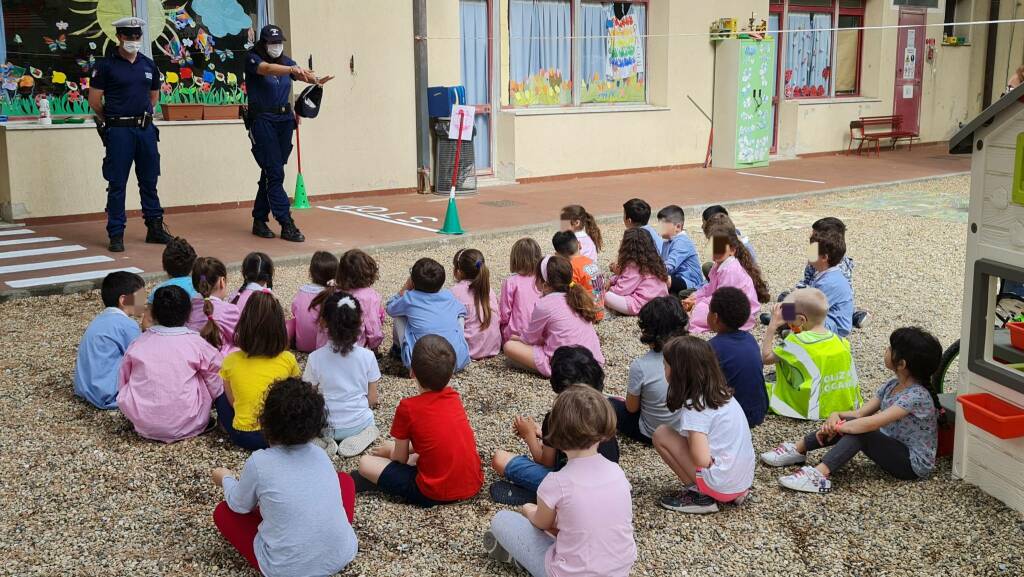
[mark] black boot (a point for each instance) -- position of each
(260, 229)
(116, 244)
(156, 232)
(290, 232)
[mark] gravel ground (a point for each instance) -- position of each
(83, 495)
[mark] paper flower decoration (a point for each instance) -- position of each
(92, 46)
(172, 77)
(208, 76)
(232, 78)
(59, 77)
(186, 73)
(187, 42)
(71, 85)
(35, 72)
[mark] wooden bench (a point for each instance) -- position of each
(873, 129)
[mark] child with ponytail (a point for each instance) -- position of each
(356, 274)
(563, 316)
(519, 292)
(473, 289)
(734, 267)
(213, 317)
(257, 276)
(582, 223)
(640, 274)
(304, 326)
(347, 375)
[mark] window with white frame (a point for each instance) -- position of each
(547, 38)
(822, 41)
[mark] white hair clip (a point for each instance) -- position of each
(346, 302)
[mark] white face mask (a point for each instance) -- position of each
(131, 46)
(275, 50)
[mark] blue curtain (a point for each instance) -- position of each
(475, 72)
(540, 34)
(808, 54)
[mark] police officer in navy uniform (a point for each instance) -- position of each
(271, 123)
(124, 89)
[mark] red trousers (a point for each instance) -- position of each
(240, 530)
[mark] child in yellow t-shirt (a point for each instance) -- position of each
(248, 373)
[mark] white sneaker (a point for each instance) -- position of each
(807, 480)
(785, 455)
(329, 445)
(356, 444)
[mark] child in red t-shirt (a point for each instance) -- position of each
(445, 466)
(585, 272)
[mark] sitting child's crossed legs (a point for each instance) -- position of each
(527, 544)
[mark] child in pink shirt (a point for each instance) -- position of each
(576, 218)
(640, 275)
(304, 326)
(257, 275)
(586, 504)
(734, 267)
(357, 273)
(169, 377)
(563, 316)
(473, 290)
(519, 292)
(212, 317)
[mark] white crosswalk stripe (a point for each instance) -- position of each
(66, 278)
(15, 268)
(41, 251)
(35, 240)
(15, 231)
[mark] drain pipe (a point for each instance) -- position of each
(419, 30)
(990, 53)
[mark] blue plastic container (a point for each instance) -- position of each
(440, 99)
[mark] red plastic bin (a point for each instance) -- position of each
(993, 414)
(1016, 335)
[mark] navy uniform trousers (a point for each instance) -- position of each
(126, 145)
(271, 146)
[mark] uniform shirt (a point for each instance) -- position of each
(587, 246)
(729, 272)
(372, 308)
(519, 294)
(655, 236)
(837, 290)
(732, 450)
(483, 342)
(241, 297)
(739, 356)
(249, 378)
(304, 326)
(126, 85)
(638, 289)
(554, 324)
(435, 422)
(100, 354)
(225, 316)
(267, 91)
(304, 530)
(185, 282)
(682, 261)
(431, 314)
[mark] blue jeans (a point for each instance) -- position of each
(127, 145)
(271, 147)
(251, 440)
(526, 473)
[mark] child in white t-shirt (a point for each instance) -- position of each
(712, 453)
(347, 375)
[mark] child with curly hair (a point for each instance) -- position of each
(640, 274)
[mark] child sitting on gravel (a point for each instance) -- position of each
(710, 450)
(168, 381)
(678, 253)
(519, 292)
(423, 307)
(636, 213)
(257, 276)
(643, 409)
(584, 226)
(565, 315)
(809, 392)
(433, 459)
(262, 359)
(639, 274)
(285, 514)
(347, 375)
(585, 272)
(710, 218)
(473, 289)
(897, 429)
(739, 355)
(177, 260)
(733, 267)
(304, 326)
(582, 523)
(356, 274)
(107, 337)
(572, 365)
(212, 317)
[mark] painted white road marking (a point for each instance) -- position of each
(15, 231)
(10, 269)
(41, 251)
(28, 240)
(781, 177)
(66, 278)
(381, 214)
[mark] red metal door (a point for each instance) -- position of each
(909, 68)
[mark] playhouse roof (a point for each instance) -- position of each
(961, 142)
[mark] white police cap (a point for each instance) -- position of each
(129, 22)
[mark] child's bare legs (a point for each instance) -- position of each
(500, 461)
(521, 354)
(674, 449)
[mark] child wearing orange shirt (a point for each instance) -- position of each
(585, 272)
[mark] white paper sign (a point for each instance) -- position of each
(911, 36)
(908, 91)
(467, 113)
(909, 63)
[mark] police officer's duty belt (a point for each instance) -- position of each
(286, 109)
(129, 121)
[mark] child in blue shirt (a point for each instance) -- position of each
(423, 308)
(678, 252)
(739, 354)
(178, 258)
(829, 279)
(845, 265)
(107, 337)
(637, 213)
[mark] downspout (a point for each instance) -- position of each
(419, 30)
(990, 53)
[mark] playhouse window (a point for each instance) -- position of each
(993, 354)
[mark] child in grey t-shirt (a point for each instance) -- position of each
(644, 408)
